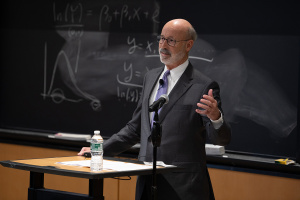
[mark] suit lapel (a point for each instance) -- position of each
(153, 78)
(182, 85)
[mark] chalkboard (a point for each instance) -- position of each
(77, 66)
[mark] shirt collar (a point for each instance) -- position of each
(176, 73)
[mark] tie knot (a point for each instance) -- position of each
(163, 82)
(167, 73)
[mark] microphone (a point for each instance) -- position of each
(163, 99)
(161, 82)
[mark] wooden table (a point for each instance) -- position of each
(38, 167)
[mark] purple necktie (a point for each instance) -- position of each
(162, 89)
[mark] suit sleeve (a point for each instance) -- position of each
(127, 136)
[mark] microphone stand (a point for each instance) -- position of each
(156, 139)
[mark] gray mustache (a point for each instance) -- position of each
(166, 51)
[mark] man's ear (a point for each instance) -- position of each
(189, 45)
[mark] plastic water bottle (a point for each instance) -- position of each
(96, 152)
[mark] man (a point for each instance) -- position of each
(193, 111)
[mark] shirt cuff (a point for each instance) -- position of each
(218, 123)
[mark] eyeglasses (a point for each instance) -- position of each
(170, 42)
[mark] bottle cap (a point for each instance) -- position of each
(97, 132)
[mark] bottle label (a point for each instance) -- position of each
(96, 147)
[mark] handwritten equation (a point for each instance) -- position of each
(134, 46)
(132, 91)
(74, 14)
(130, 85)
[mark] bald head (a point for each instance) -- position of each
(182, 27)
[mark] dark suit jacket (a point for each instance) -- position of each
(183, 134)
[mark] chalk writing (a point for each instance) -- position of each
(71, 15)
(130, 94)
(134, 46)
(145, 46)
(132, 91)
(108, 15)
(128, 78)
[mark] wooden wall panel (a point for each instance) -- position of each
(234, 185)
(228, 185)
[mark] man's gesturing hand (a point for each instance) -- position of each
(209, 106)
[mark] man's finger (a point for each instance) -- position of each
(210, 93)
